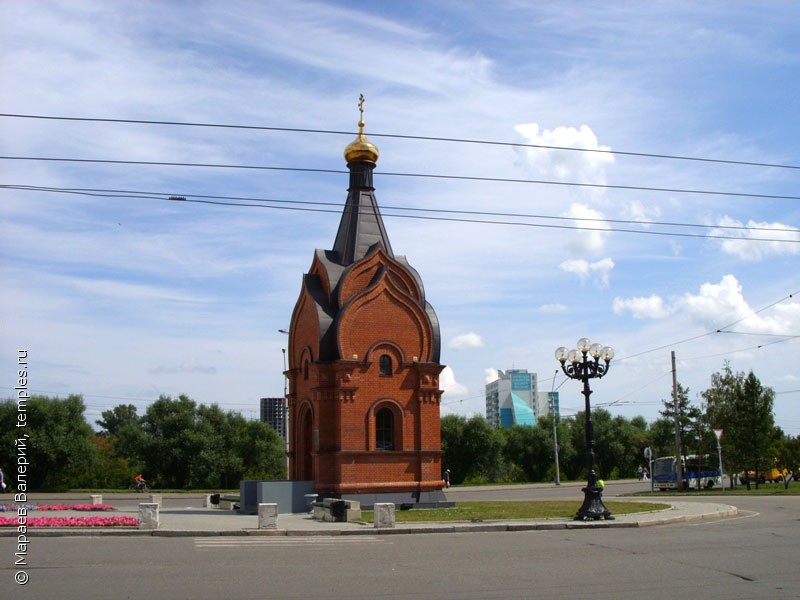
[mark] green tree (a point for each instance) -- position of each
(528, 452)
(566, 451)
(786, 450)
(232, 448)
(59, 447)
(108, 469)
(688, 417)
(184, 445)
(121, 430)
(472, 449)
(662, 437)
(170, 442)
(742, 407)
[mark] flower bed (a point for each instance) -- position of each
(81, 507)
(116, 521)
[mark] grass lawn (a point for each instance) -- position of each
(493, 511)
(766, 489)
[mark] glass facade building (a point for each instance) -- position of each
(514, 399)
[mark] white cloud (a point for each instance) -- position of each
(723, 303)
(652, 307)
(573, 166)
(550, 309)
(191, 366)
(716, 305)
(600, 270)
(491, 375)
(784, 239)
(577, 265)
(637, 210)
(449, 385)
(103, 291)
(466, 341)
(586, 241)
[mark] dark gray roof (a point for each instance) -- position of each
(361, 226)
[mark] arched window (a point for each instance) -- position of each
(385, 365)
(305, 370)
(384, 429)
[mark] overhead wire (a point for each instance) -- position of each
(405, 137)
(210, 199)
(718, 330)
(164, 195)
(337, 208)
(640, 188)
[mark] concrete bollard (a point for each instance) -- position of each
(310, 499)
(148, 515)
(384, 515)
(155, 499)
(207, 501)
(268, 516)
(96, 498)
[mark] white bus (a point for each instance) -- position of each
(702, 466)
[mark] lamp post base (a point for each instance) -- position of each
(593, 507)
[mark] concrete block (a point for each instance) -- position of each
(352, 515)
(148, 515)
(96, 498)
(384, 515)
(268, 516)
(207, 501)
(155, 499)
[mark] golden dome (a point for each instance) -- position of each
(361, 149)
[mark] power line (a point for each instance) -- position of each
(720, 330)
(407, 137)
(114, 193)
(398, 174)
(337, 207)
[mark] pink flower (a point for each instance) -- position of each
(115, 521)
(86, 507)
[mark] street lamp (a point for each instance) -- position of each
(588, 361)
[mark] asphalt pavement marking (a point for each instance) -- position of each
(211, 543)
(743, 514)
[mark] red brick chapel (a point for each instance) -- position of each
(364, 362)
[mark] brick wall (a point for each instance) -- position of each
(382, 313)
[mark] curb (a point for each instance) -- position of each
(497, 527)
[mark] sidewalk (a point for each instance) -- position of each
(202, 522)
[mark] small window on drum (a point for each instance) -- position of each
(385, 365)
(305, 370)
(384, 429)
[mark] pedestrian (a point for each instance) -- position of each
(447, 478)
(645, 474)
(640, 472)
(2, 482)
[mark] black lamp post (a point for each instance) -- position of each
(588, 361)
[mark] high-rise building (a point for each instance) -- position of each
(273, 412)
(514, 399)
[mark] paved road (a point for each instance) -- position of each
(750, 556)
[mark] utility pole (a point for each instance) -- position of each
(286, 413)
(677, 417)
(552, 403)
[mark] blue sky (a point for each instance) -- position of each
(122, 299)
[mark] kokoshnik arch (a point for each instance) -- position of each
(364, 350)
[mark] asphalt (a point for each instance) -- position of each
(195, 521)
